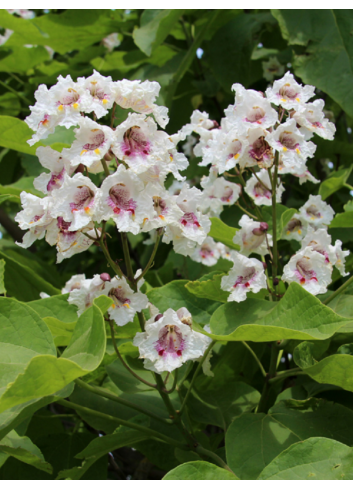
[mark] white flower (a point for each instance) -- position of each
(259, 189)
(165, 209)
(295, 229)
(272, 68)
(140, 97)
(92, 142)
(258, 151)
(219, 193)
(306, 177)
(112, 41)
(320, 241)
(138, 143)
(199, 121)
(100, 93)
(340, 257)
(58, 166)
(252, 237)
(316, 212)
(182, 245)
(188, 147)
(75, 201)
(312, 120)
(247, 275)
(35, 216)
(193, 224)
(291, 144)
(41, 122)
(169, 341)
(208, 253)
(126, 301)
(309, 269)
(288, 93)
(75, 282)
(124, 198)
(88, 290)
(252, 109)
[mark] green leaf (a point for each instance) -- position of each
(223, 233)
(21, 59)
(313, 459)
(286, 216)
(155, 27)
(12, 198)
(199, 471)
(24, 450)
(40, 374)
(281, 210)
(336, 181)
(327, 37)
(254, 440)
(9, 104)
(2, 277)
(23, 282)
(209, 289)
(344, 220)
(299, 315)
(335, 369)
(175, 295)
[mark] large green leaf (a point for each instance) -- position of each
(344, 220)
(155, 27)
(40, 373)
(329, 46)
(313, 459)
(24, 450)
(209, 288)
(21, 59)
(174, 295)
(254, 440)
(223, 233)
(299, 315)
(334, 369)
(199, 471)
(2, 277)
(336, 181)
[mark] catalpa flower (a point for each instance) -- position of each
(75, 282)
(41, 122)
(112, 41)
(140, 145)
(311, 119)
(69, 243)
(193, 224)
(169, 341)
(340, 257)
(75, 201)
(199, 122)
(259, 189)
(124, 198)
(88, 290)
(165, 209)
(252, 237)
(309, 269)
(288, 93)
(92, 142)
(247, 275)
(126, 301)
(316, 212)
(295, 229)
(58, 166)
(208, 253)
(320, 241)
(140, 97)
(291, 144)
(35, 216)
(219, 193)
(258, 151)
(181, 244)
(100, 93)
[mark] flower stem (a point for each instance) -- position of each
(263, 371)
(338, 291)
(113, 397)
(274, 224)
(105, 250)
(123, 422)
(105, 166)
(154, 386)
(172, 389)
(195, 375)
(287, 373)
(207, 453)
(129, 270)
(263, 403)
(150, 261)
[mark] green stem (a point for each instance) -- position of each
(348, 186)
(113, 265)
(207, 453)
(129, 270)
(287, 373)
(154, 386)
(246, 212)
(195, 375)
(10, 89)
(262, 407)
(274, 224)
(263, 371)
(105, 166)
(172, 389)
(109, 395)
(150, 261)
(338, 291)
(123, 422)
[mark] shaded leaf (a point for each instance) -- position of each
(192, 471)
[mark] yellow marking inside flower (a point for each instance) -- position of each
(299, 231)
(312, 218)
(146, 107)
(236, 156)
(87, 210)
(288, 232)
(97, 151)
(74, 243)
(126, 305)
(104, 101)
(113, 306)
(284, 149)
(31, 222)
(297, 150)
(60, 107)
(297, 99)
(145, 219)
(75, 106)
(283, 100)
(83, 152)
(162, 217)
(171, 157)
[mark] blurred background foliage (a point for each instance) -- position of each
(196, 56)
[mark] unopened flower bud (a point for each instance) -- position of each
(109, 155)
(159, 316)
(80, 168)
(215, 125)
(275, 281)
(105, 277)
(261, 229)
(264, 265)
